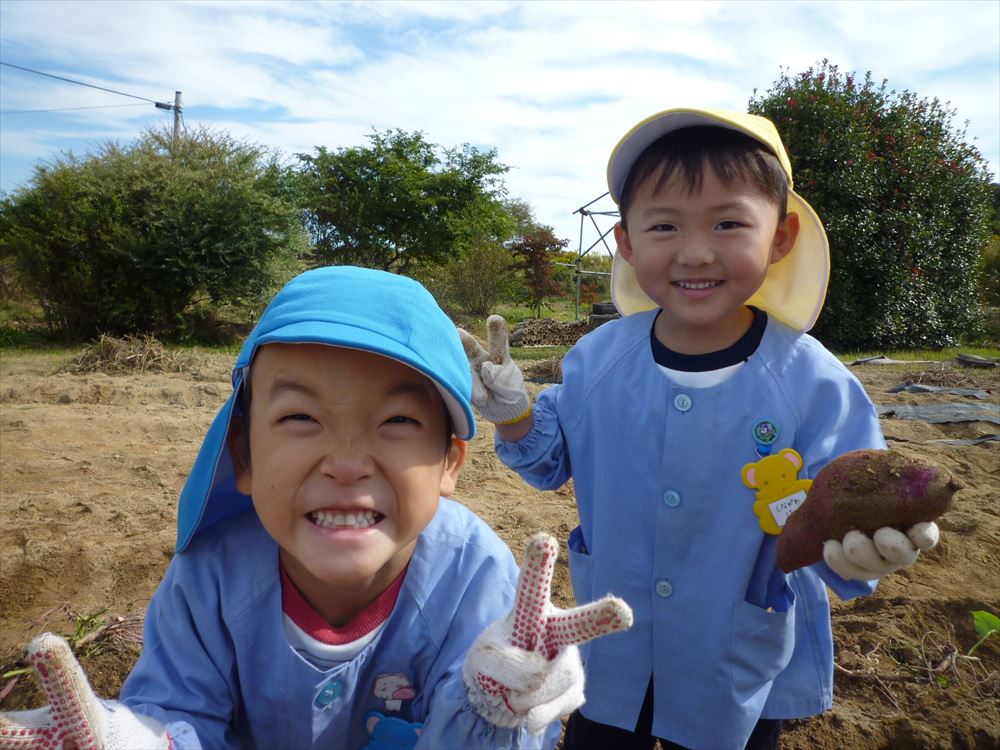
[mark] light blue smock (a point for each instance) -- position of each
(218, 671)
(667, 523)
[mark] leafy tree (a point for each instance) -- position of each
(995, 212)
(475, 282)
(991, 255)
(595, 273)
(400, 201)
(535, 249)
(127, 239)
(905, 200)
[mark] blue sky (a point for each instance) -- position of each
(550, 85)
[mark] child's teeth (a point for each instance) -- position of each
(697, 285)
(358, 520)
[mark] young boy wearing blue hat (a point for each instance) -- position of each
(689, 427)
(325, 593)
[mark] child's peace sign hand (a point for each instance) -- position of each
(538, 626)
(75, 718)
(497, 383)
(526, 668)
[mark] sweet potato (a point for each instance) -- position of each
(864, 490)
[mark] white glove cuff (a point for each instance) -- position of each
(492, 706)
(126, 729)
(510, 687)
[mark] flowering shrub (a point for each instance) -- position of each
(905, 198)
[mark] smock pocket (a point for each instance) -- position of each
(762, 645)
(581, 567)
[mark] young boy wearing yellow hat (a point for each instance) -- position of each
(675, 420)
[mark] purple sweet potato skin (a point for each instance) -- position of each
(864, 490)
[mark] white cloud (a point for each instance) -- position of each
(551, 85)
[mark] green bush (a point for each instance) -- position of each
(906, 202)
(474, 283)
(991, 255)
(400, 202)
(129, 239)
(991, 273)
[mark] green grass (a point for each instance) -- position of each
(15, 335)
(935, 355)
(14, 343)
(22, 331)
(46, 358)
(536, 353)
(559, 308)
(231, 349)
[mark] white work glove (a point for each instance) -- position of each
(497, 383)
(75, 718)
(525, 668)
(863, 558)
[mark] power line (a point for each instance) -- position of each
(89, 85)
(176, 106)
(64, 109)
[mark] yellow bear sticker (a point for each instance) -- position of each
(779, 490)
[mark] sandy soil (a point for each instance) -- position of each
(91, 466)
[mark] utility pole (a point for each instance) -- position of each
(176, 107)
(177, 115)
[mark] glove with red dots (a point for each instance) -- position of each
(75, 719)
(525, 668)
(498, 391)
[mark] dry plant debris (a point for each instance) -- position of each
(127, 354)
(940, 663)
(544, 371)
(91, 635)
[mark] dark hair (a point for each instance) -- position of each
(241, 410)
(733, 157)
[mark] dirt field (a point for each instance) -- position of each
(91, 465)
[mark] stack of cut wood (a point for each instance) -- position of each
(547, 332)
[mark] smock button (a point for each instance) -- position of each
(328, 694)
(664, 588)
(682, 401)
(672, 498)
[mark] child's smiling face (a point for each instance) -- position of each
(701, 254)
(348, 454)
